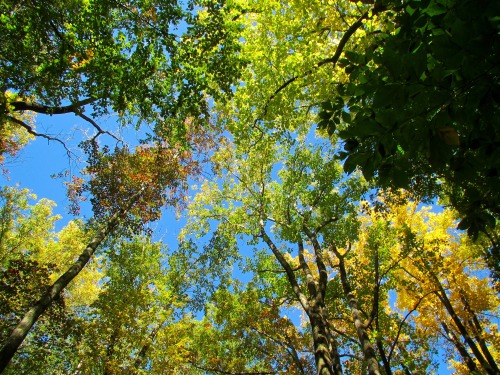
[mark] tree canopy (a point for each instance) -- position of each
(146, 61)
(420, 103)
(297, 143)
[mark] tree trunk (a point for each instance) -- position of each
(30, 318)
(364, 340)
(471, 365)
(441, 294)
(477, 331)
(325, 351)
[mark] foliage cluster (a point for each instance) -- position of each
(286, 263)
(420, 106)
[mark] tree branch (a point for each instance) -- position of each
(97, 127)
(400, 327)
(333, 60)
(289, 270)
(30, 130)
(320, 263)
(324, 224)
(46, 110)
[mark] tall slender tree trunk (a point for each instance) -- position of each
(471, 365)
(477, 330)
(30, 318)
(364, 340)
(325, 350)
(441, 294)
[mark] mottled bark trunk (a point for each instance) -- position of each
(364, 340)
(30, 318)
(325, 351)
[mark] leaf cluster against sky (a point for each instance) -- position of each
(306, 248)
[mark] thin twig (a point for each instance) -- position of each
(97, 127)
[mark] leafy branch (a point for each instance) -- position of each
(333, 60)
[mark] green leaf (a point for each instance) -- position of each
(346, 116)
(324, 115)
(355, 160)
(435, 9)
(327, 106)
(365, 127)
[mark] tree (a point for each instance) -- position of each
(129, 191)
(419, 106)
(304, 211)
(12, 137)
(122, 58)
(27, 268)
(438, 276)
(136, 301)
(243, 334)
(130, 58)
(287, 75)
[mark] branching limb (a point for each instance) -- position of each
(400, 327)
(325, 223)
(286, 266)
(97, 127)
(320, 263)
(75, 108)
(30, 130)
(333, 60)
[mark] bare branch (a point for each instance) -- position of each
(30, 130)
(400, 327)
(97, 127)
